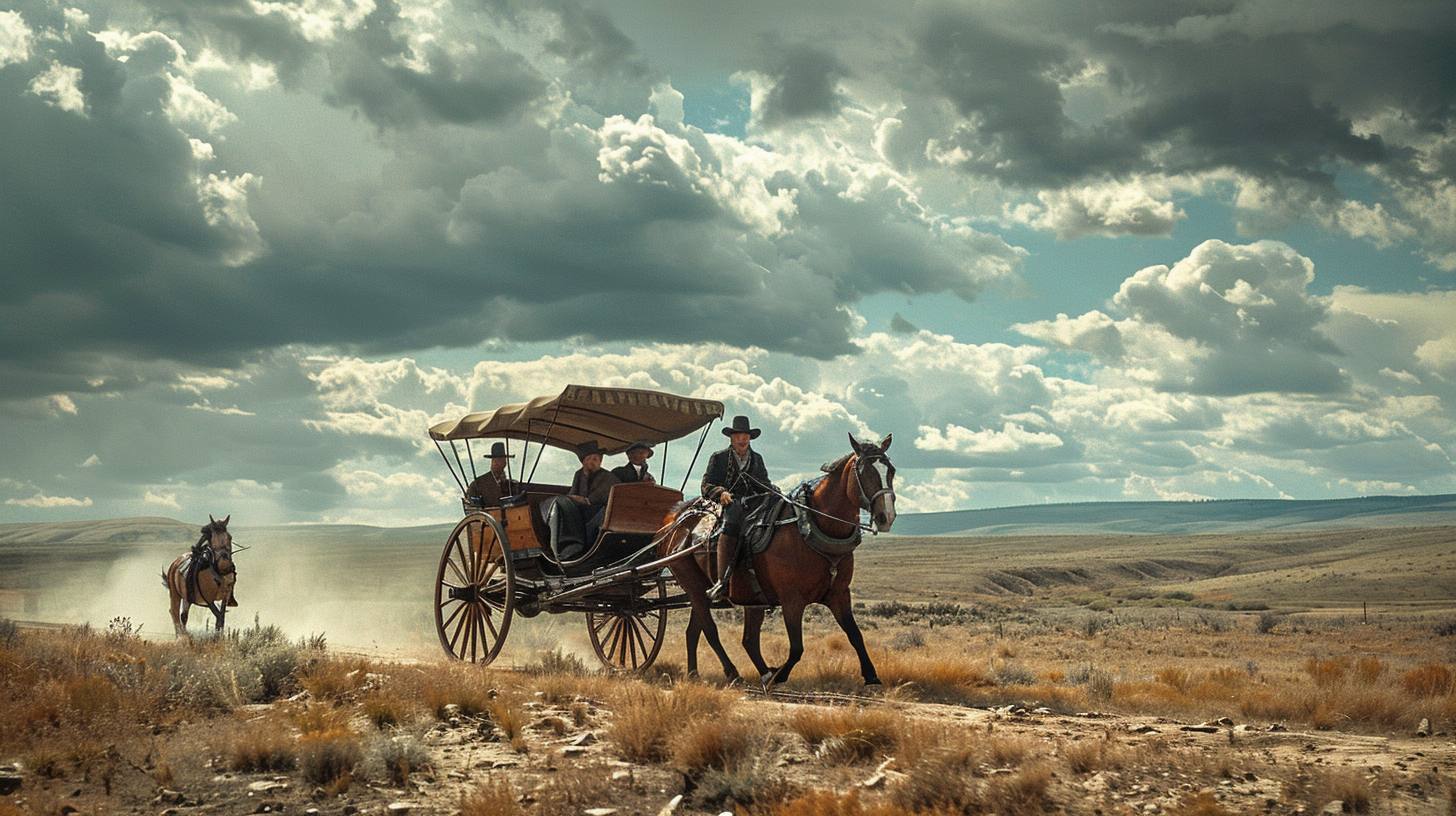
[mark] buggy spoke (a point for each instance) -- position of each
(451, 618)
(490, 623)
(459, 630)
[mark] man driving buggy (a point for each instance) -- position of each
(734, 477)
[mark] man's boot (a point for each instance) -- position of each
(727, 549)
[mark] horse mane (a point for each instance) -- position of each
(830, 467)
(213, 526)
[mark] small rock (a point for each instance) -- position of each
(572, 751)
(667, 809)
(312, 812)
(587, 738)
(1425, 728)
(1201, 729)
(400, 808)
(599, 811)
(1336, 806)
(621, 776)
(10, 783)
(450, 710)
(266, 785)
(1224, 721)
(1278, 727)
(1142, 729)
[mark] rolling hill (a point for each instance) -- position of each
(1186, 518)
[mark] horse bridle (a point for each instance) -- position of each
(867, 502)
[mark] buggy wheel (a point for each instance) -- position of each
(475, 590)
(629, 640)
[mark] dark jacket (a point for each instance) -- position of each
(723, 474)
(489, 490)
(627, 473)
(597, 489)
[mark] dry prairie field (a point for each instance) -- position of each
(1289, 672)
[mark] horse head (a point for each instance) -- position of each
(220, 541)
(875, 475)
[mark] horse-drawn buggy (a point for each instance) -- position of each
(653, 552)
(498, 562)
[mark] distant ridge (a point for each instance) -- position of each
(1120, 518)
(1185, 518)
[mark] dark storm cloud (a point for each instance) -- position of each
(1005, 85)
(240, 30)
(491, 86)
(128, 242)
(804, 82)
(1278, 105)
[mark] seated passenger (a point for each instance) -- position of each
(636, 468)
(576, 518)
(489, 487)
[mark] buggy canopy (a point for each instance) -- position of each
(614, 417)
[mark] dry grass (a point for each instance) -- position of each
(328, 758)
(1427, 681)
(495, 797)
(648, 719)
(834, 803)
(721, 742)
(848, 734)
(263, 745)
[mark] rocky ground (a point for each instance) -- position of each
(566, 762)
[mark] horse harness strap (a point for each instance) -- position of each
(831, 548)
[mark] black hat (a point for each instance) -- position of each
(740, 425)
(640, 445)
(587, 448)
(498, 451)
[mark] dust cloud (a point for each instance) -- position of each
(376, 599)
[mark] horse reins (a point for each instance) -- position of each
(867, 501)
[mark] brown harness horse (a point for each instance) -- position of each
(793, 572)
(207, 579)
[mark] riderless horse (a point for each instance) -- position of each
(204, 576)
(809, 559)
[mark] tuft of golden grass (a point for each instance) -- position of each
(264, 745)
(320, 719)
(848, 734)
(385, 709)
(494, 797)
(331, 679)
(1091, 755)
(647, 719)
(834, 803)
(719, 742)
(328, 758)
(1203, 803)
(1348, 787)
(1429, 680)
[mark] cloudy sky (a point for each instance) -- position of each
(1130, 250)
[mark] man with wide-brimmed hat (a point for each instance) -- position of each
(734, 474)
(636, 468)
(576, 518)
(491, 486)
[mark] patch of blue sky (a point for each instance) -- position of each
(721, 108)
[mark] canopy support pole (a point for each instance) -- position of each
(447, 465)
(688, 474)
